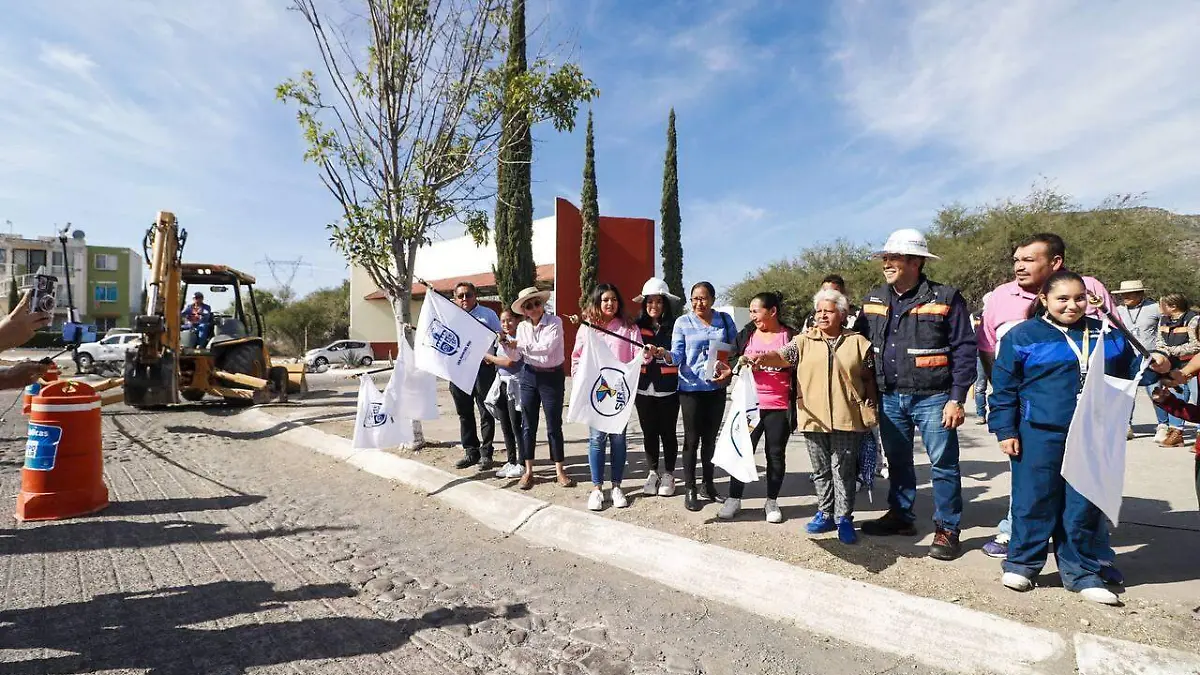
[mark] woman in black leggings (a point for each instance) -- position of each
(701, 392)
(657, 399)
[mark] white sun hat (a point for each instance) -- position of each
(907, 242)
(655, 286)
(527, 294)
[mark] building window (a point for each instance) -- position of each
(106, 292)
(106, 262)
(106, 323)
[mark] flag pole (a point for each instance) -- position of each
(1098, 302)
(575, 319)
(430, 289)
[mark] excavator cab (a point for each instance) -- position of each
(187, 353)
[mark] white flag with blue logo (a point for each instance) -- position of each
(418, 390)
(450, 343)
(603, 388)
(735, 451)
(377, 425)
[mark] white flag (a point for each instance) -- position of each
(418, 391)
(376, 424)
(450, 343)
(1094, 460)
(735, 451)
(603, 388)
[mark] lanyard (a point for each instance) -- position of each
(1081, 354)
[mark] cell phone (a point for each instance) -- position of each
(43, 298)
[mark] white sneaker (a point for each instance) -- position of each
(651, 487)
(1016, 582)
(1100, 595)
(1160, 433)
(730, 509)
(596, 500)
(506, 470)
(666, 485)
(774, 515)
(618, 498)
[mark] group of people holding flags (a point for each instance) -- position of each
(906, 366)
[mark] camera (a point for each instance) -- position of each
(43, 298)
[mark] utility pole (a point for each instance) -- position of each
(281, 269)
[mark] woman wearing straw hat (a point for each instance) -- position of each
(657, 400)
(542, 380)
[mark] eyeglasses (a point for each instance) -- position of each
(532, 303)
(465, 296)
(696, 301)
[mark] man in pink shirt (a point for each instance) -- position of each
(1034, 260)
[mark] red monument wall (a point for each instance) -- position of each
(627, 260)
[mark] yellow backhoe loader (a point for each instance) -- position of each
(220, 356)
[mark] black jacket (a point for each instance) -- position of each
(664, 377)
(739, 348)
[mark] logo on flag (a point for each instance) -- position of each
(442, 338)
(377, 417)
(610, 393)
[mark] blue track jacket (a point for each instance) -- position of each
(1036, 375)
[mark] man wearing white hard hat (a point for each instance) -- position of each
(925, 347)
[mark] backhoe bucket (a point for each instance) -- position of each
(297, 382)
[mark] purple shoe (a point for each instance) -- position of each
(996, 549)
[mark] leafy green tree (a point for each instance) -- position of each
(589, 248)
(1118, 239)
(672, 242)
(406, 131)
(515, 268)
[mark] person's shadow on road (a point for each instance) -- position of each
(156, 630)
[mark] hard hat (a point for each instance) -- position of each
(907, 242)
(655, 286)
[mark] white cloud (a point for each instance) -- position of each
(708, 221)
(1099, 96)
(65, 58)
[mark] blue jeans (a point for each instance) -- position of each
(981, 385)
(597, 440)
(544, 389)
(1046, 507)
(902, 414)
(1104, 550)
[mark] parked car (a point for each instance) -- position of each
(110, 351)
(353, 352)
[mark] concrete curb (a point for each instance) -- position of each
(939, 634)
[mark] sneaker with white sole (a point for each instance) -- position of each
(618, 498)
(506, 470)
(666, 485)
(651, 487)
(774, 515)
(1100, 595)
(1016, 582)
(730, 509)
(1160, 433)
(596, 500)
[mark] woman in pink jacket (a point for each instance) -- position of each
(606, 309)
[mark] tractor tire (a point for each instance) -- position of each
(244, 359)
(192, 395)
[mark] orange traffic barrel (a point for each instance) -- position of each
(63, 474)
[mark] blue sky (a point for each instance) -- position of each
(799, 122)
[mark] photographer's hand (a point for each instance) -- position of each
(20, 324)
(22, 374)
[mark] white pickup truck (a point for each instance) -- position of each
(110, 351)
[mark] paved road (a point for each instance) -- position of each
(225, 553)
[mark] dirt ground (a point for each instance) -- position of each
(1158, 556)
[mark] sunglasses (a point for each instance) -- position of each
(532, 303)
(465, 296)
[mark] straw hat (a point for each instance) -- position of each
(1133, 286)
(526, 295)
(655, 286)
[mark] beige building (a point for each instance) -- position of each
(443, 264)
(21, 258)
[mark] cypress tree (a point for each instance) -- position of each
(589, 249)
(13, 296)
(672, 244)
(515, 267)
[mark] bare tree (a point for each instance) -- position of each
(404, 122)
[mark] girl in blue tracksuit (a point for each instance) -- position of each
(1038, 374)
